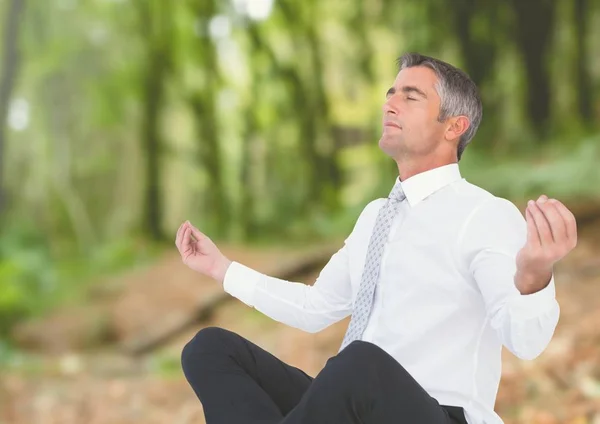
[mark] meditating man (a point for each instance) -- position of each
(437, 277)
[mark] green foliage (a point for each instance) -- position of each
(33, 280)
(567, 172)
(25, 273)
(165, 365)
(143, 114)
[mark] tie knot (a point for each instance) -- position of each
(397, 194)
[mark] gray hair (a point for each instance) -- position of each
(458, 93)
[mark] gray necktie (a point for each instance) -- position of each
(370, 276)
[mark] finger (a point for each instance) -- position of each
(186, 242)
(198, 235)
(569, 220)
(179, 237)
(541, 224)
(533, 238)
(556, 222)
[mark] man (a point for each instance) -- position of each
(437, 277)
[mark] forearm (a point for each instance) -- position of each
(526, 317)
(522, 307)
(527, 323)
(297, 305)
(309, 308)
(528, 282)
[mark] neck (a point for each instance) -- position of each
(413, 166)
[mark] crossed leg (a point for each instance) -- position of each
(238, 382)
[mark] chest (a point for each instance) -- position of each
(420, 257)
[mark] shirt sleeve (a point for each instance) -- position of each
(493, 236)
(309, 308)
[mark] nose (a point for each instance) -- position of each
(389, 108)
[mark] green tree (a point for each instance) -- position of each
(8, 74)
(156, 26)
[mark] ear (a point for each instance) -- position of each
(457, 125)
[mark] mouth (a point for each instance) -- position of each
(391, 124)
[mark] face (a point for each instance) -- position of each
(410, 115)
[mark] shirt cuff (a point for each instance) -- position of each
(527, 306)
(240, 282)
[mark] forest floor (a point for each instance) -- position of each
(68, 383)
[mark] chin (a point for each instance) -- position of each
(389, 145)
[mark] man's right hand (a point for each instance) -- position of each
(199, 252)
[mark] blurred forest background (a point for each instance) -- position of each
(258, 121)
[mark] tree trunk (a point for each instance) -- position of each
(316, 136)
(583, 81)
(153, 99)
(10, 68)
(248, 193)
(535, 21)
(204, 104)
(205, 110)
(328, 173)
(477, 51)
(155, 23)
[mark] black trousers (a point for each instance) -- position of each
(237, 382)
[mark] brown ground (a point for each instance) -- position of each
(70, 384)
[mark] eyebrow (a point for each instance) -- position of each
(407, 89)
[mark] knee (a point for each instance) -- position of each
(362, 353)
(350, 373)
(209, 339)
(362, 361)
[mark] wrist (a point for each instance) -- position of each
(529, 282)
(221, 268)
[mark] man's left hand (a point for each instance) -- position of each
(551, 234)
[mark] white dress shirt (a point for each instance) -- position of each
(446, 300)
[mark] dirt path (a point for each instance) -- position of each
(561, 386)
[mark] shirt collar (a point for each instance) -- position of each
(420, 186)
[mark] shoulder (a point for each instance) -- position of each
(366, 218)
(374, 205)
(485, 205)
(491, 218)
(370, 211)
